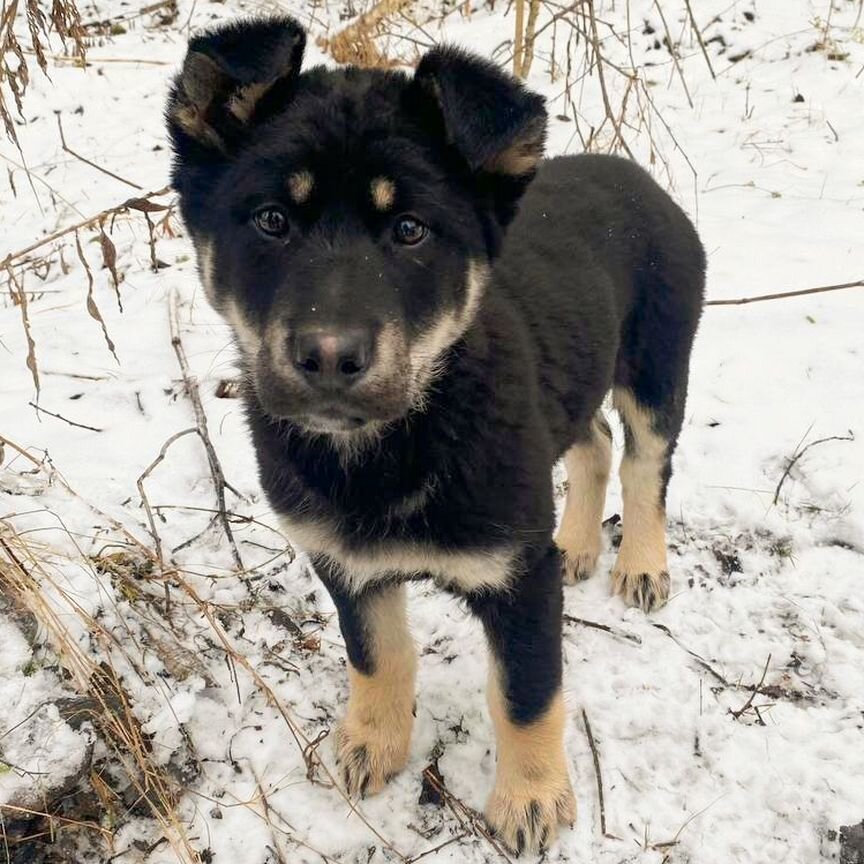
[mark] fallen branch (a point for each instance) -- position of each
(859, 283)
(41, 410)
(605, 628)
(597, 773)
(190, 385)
(143, 204)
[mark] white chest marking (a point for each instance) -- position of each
(467, 571)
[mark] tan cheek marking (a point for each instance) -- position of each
(532, 793)
(640, 574)
(204, 248)
(373, 739)
(246, 334)
(426, 353)
(383, 193)
(300, 185)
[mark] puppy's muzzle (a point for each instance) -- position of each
(330, 360)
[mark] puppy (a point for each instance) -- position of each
(429, 316)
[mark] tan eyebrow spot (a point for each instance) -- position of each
(300, 186)
(383, 193)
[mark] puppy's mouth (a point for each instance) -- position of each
(332, 421)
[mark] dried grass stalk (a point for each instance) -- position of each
(356, 43)
(64, 19)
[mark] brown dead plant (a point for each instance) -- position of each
(63, 19)
(356, 43)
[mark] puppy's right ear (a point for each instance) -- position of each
(233, 77)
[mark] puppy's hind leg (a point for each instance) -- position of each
(579, 536)
(640, 574)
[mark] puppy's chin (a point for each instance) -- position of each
(333, 423)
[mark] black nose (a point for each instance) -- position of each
(332, 359)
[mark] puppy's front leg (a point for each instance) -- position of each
(532, 794)
(374, 737)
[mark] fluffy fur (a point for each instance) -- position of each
(429, 316)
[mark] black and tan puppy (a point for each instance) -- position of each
(429, 316)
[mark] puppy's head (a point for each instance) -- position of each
(345, 219)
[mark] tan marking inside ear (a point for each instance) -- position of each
(515, 161)
(522, 156)
(532, 794)
(579, 535)
(374, 738)
(428, 351)
(383, 193)
(242, 103)
(189, 119)
(643, 544)
(300, 185)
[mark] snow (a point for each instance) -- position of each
(777, 189)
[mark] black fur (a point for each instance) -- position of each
(523, 628)
(596, 281)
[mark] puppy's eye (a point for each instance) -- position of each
(409, 231)
(271, 220)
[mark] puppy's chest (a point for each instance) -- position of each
(409, 536)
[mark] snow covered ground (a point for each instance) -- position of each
(210, 694)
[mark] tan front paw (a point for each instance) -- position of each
(526, 816)
(369, 755)
(646, 590)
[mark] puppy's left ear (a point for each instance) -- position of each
(497, 125)
(233, 77)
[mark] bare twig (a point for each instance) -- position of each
(519, 36)
(758, 298)
(146, 501)
(699, 39)
(435, 849)
(475, 821)
(606, 628)
(530, 36)
(142, 204)
(799, 452)
(700, 660)
(597, 773)
(64, 419)
(193, 392)
(87, 161)
(743, 709)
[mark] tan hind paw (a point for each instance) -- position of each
(648, 591)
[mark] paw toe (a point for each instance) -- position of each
(577, 568)
(647, 591)
(367, 760)
(530, 825)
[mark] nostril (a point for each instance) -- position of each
(332, 358)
